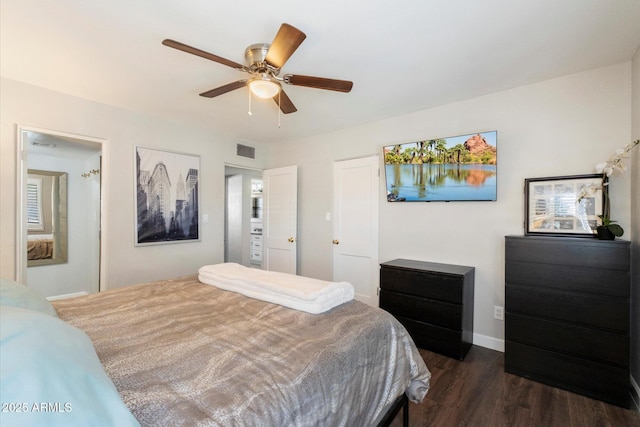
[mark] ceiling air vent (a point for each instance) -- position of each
(246, 151)
(43, 144)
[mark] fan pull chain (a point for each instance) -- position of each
(250, 113)
(279, 109)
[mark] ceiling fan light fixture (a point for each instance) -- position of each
(263, 62)
(264, 87)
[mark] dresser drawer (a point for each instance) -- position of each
(593, 379)
(593, 344)
(608, 255)
(600, 312)
(423, 284)
(583, 279)
(429, 311)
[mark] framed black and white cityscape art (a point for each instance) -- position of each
(167, 196)
(563, 205)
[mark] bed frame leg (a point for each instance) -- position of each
(400, 404)
(405, 412)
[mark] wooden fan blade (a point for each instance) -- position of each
(285, 104)
(318, 82)
(224, 89)
(195, 51)
(284, 44)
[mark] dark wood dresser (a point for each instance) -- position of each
(567, 306)
(433, 301)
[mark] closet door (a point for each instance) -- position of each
(355, 226)
(280, 188)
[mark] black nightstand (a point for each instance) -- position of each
(433, 301)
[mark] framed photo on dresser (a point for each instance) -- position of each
(563, 205)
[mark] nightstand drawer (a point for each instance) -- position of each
(593, 344)
(423, 284)
(429, 311)
(436, 338)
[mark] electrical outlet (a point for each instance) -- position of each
(498, 312)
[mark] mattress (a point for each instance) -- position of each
(39, 249)
(184, 353)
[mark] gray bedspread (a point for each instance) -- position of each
(184, 353)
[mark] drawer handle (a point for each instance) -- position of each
(336, 242)
(291, 239)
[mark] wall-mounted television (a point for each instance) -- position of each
(456, 168)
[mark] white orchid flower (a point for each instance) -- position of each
(600, 167)
(614, 164)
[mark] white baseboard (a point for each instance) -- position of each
(65, 296)
(488, 342)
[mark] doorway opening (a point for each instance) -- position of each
(60, 187)
(243, 216)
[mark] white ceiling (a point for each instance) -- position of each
(402, 55)
(59, 146)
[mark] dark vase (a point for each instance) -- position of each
(604, 233)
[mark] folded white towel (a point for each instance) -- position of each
(297, 292)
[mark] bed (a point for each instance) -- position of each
(39, 246)
(182, 352)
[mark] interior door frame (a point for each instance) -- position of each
(21, 200)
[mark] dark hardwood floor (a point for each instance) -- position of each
(477, 392)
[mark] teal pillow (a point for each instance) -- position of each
(51, 375)
(18, 295)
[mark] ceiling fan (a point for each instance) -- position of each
(264, 63)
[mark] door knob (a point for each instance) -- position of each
(336, 242)
(291, 239)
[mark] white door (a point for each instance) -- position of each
(280, 204)
(355, 226)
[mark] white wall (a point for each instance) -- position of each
(554, 128)
(124, 263)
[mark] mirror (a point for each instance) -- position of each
(46, 218)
